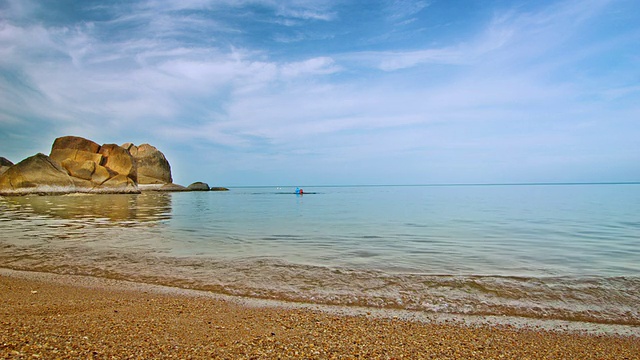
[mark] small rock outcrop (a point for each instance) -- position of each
(172, 187)
(5, 164)
(198, 186)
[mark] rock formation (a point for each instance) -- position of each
(198, 186)
(165, 187)
(75, 143)
(38, 173)
(152, 166)
(80, 165)
(5, 164)
(119, 160)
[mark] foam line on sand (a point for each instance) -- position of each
(58, 316)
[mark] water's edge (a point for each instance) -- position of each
(535, 324)
(548, 253)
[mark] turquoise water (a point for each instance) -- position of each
(567, 252)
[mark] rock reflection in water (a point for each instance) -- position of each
(153, 206)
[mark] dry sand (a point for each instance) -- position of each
(49, 317)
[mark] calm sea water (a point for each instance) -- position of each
(568, 252)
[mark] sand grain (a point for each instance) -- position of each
(49, 320)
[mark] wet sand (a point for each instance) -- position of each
(49, 317)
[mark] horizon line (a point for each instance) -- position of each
(454, 184)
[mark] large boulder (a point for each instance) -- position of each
(76, 164)
(5, 164)
(120, 184)
(86, 160)
(83, 170)
(151, 165)
(76, 143)
(61, 155)
(100, 175)
(36, 174)
(118, 159)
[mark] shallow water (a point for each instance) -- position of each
(567, 252)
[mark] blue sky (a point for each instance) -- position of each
(330, 92)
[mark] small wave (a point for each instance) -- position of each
(346, 250)
(600, 300)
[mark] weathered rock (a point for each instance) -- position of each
(82, 185)
(129, 147)
(151, 165)
(172, 187)
(162, 187)
(76, 164)
(218, 188)
(198, 186)
(36, 174)
(118, 159)
(61, 155)
(146, 180)
(83, 170)
(5, 164)
(100, 175)
(120, 184)
(76, 143)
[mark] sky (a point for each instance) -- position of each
(332, 92)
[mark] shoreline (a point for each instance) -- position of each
(75, 316)
(550, 324)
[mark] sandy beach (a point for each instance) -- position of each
(51, 316)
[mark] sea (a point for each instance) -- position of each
(565, 252)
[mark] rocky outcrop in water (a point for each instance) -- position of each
(198, 186)
(201, 186)
(76, 164)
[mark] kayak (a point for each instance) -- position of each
(289, 193)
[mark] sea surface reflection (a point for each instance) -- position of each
(151, 206)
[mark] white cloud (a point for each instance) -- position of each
(400, 10)
(621, 92)
(305, 9)
(314, 66)
(391, 61)
(336, 107)
(306, 14)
